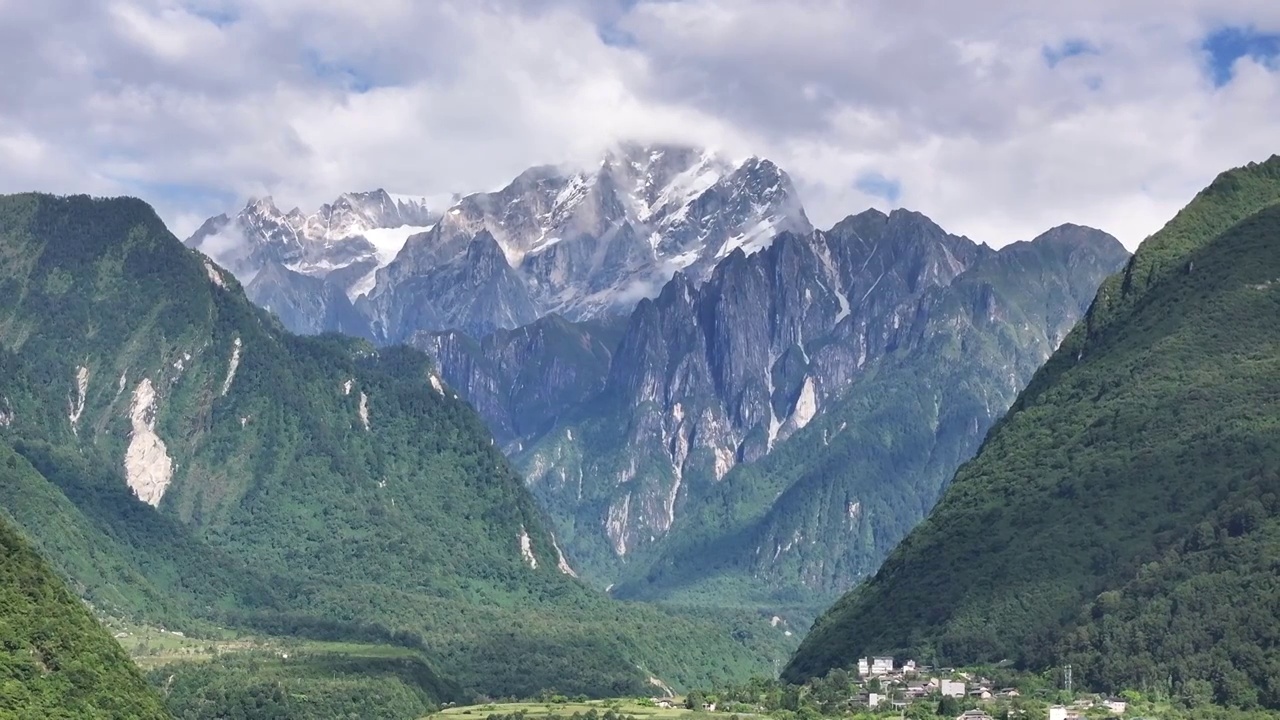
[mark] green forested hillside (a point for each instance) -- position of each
(302, 486)
(55, 660)
(1123, 516)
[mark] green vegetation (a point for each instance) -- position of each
(1013, 695)
(1123, 517)
(55, 660)
(554, 707)
(320, 489)
(314, 681)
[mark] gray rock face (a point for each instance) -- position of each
(524, 381)
(709, 376)
(304, 304)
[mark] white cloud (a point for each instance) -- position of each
(195, 105)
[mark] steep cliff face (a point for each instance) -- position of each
(802, 340)
(524, 381)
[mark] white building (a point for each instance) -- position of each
(864, 667)
(951, 688)
(1057, 713)
(881, 665)
(873, 699)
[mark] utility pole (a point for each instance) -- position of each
(1066, 678)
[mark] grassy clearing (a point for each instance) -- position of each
(152, 647)
(623, 706)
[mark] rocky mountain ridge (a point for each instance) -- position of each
(582, 243)
(706, 377)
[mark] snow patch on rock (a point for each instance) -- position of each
(76, 402)
(364, 410)
(526, 548)
(232, 366)
(148, 468)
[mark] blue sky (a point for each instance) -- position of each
(1226, 45)
(996, 119)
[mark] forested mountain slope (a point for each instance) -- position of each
(1123, 516)
(55, 659)
(192, 463)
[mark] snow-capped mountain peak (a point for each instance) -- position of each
(344, 241)
(581, 241)
(593, 241)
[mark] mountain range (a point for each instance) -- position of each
(581, 243)
(641, 337)
(1123, 516)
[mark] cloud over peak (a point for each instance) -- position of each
(997, 120)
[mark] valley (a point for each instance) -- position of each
(404, 463)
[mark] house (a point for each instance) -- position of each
(709, 707)
(973, 715)
(980, 693)
(1116, 705)
(664, 703)
(1009, 693)
(864, 667)
(909, 666)
(1059, 712)
(917, 690)
(881, 665)
(874, 699)
(951, 688)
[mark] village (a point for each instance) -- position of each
(881, 686)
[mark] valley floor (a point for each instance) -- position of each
(625, 707)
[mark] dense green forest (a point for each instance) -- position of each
(316, 487)
(1123, 516)
(55, 660)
